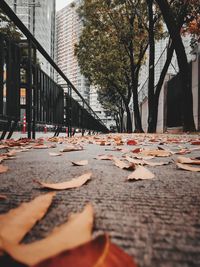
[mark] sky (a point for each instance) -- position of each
(62, 3)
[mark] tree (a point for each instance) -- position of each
(8, 28)
(175, 35)
(112, 103)
(123, 25)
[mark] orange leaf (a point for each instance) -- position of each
(71, 148)
(75, 232)
(123, 165)
(17, 222)
(75, 182)
(80, 163)
(187, 167)
(99, 252)
(141, 173)
(185, 160)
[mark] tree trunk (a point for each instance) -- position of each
(128, 120)
(151, 104)
(188, 119)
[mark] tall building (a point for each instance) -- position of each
(68, 30)
(39, 17)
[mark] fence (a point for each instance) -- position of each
(44, 101)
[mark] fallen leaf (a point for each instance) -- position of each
(131, 142)
(80, 163)
(40, 146)
(195, 143)
(75, 232)
(143, 157)
(156, 153)
(54, 154)
(135, 161)
(153, 164)
(137, 150)
(99, 252)
(3, 197)
(17, 222)
(185, 160)
(141, 173)
(71, 148)
(104, 157)
(3, 168)
(187, 167)
(74, 183)
(122, 165)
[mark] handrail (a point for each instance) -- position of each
(9, 12)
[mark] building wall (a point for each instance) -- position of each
(68, 30)
(39, 17)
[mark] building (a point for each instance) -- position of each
(68, 30)
(39, 17)
(98, 109)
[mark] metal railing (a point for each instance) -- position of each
(45, 101)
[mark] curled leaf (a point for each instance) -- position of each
(99, 252)
(40, 146)
(185, 160)
(17, 222)
(154, 163)
(141, 173)
(80, 163)
(3, 197)
(156, 153)
(104, 157)
(71, 148)
(54, 154)
(123, 165)
(75, 182)
(187, 167)
(75, 232)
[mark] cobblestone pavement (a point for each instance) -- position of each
(155, 221)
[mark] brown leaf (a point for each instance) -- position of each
(185, 160)
(3, 168)
(99, 252)
(75, 182)
(135, 161)
(17, 222)
(54, 154)
(123, 165)
(75, 232)
(141, 173)
(156, 153)
(3, 197)
(71, 148)
(80, 163)
(104, 157)
(40, 146)
(187, 167)
(153, 164)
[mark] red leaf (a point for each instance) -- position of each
(131, 142)
(195, 143)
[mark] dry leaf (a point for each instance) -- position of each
(195, 142)
(99, 252)
(131, 142)
(153, 164)
(141, 173)
(75, 182)
(104, 157)
(156, 153)
(40, 146)
(80, 163)
(75, 232)
(17, 222)
(54, 154)
(185, 160)
(135, 161)
(71, 148)
(187, 167)
(3, 168)
(123, 165)
(3, 197)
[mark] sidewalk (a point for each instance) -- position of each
(156, 221)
